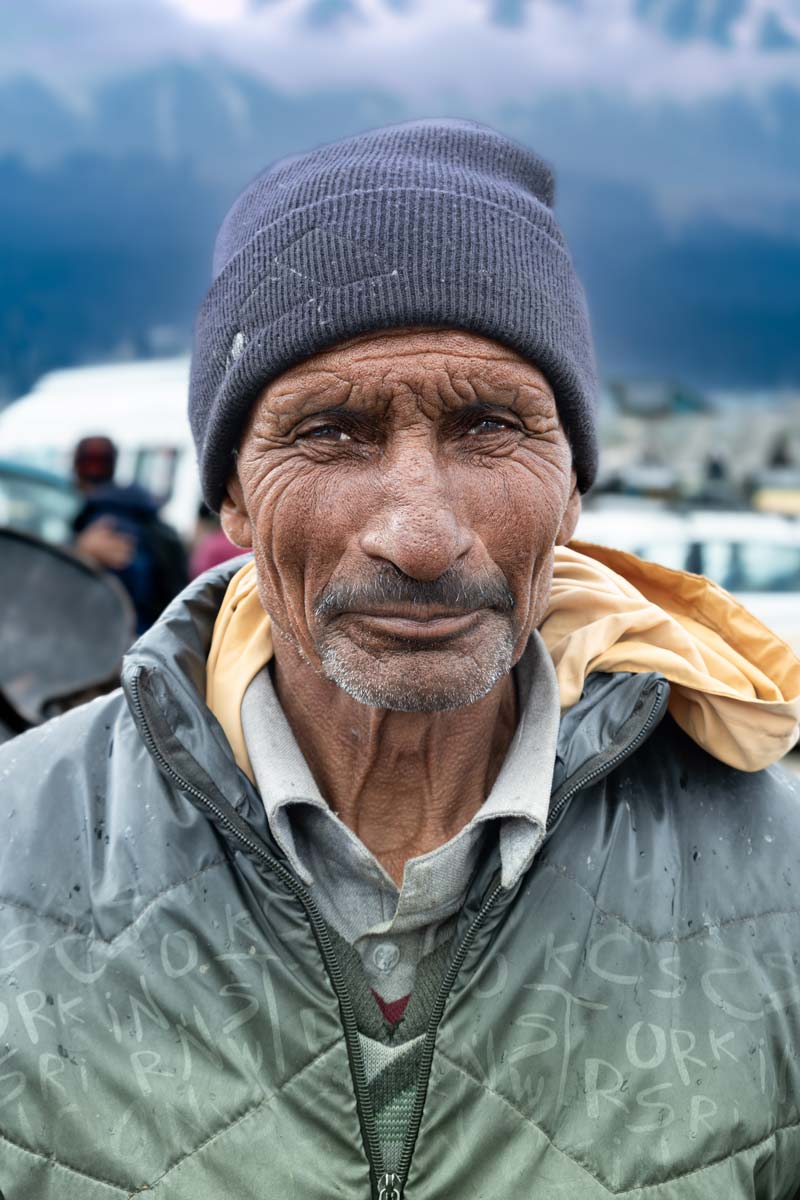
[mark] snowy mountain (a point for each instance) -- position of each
(673, 125)
(697, 99)
(734, 155)
(757, 24)
(727, 22)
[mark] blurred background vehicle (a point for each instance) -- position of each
(64, 627)
(37, 502)
(140, 406)
(754, 556)
(119, 520)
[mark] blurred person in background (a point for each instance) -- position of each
(212, 545)
(119, 528)
(425, 853)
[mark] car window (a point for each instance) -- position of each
(753, 566)
(36, 506)
(671, 554)
(155, 470)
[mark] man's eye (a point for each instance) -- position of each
(490, 425)
(328, 433)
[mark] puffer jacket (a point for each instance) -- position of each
(174, 1021)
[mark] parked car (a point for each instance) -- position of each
(754, 556)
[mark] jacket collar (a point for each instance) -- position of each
(164, 673)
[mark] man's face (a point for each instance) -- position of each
(402, 493)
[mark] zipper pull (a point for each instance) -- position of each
(389, 1186)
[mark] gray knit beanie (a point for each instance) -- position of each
(442, 223)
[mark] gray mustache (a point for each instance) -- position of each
(391, 586)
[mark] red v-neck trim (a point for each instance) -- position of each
(392, 1009)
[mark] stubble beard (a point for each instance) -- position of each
(405, 681)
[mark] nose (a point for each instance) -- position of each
(416, 527)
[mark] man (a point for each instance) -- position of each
(119, 528)
(422, 855)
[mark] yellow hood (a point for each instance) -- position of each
(735, 686)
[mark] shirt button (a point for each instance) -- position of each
(386, 956)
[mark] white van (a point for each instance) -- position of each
(754, 556)
(141, 406)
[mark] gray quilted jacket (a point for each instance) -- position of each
(173, 1018)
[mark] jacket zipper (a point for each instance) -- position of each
(429, 1045)
(389, 1185)
(655, 713)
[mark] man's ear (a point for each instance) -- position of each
(571, 514)
(233, 514)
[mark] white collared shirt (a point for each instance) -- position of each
(393, 928)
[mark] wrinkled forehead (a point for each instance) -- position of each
(452, 366)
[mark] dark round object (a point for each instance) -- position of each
(64, 627)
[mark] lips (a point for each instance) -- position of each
(430, 625)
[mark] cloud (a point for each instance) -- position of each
(474, 52)
(70, 44)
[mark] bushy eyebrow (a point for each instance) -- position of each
(305, 393)
(525, 396)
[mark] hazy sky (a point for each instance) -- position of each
(503, 50)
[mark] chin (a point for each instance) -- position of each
(417, 680)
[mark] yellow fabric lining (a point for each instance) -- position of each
(240, 646)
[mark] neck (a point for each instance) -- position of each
(404, 782)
